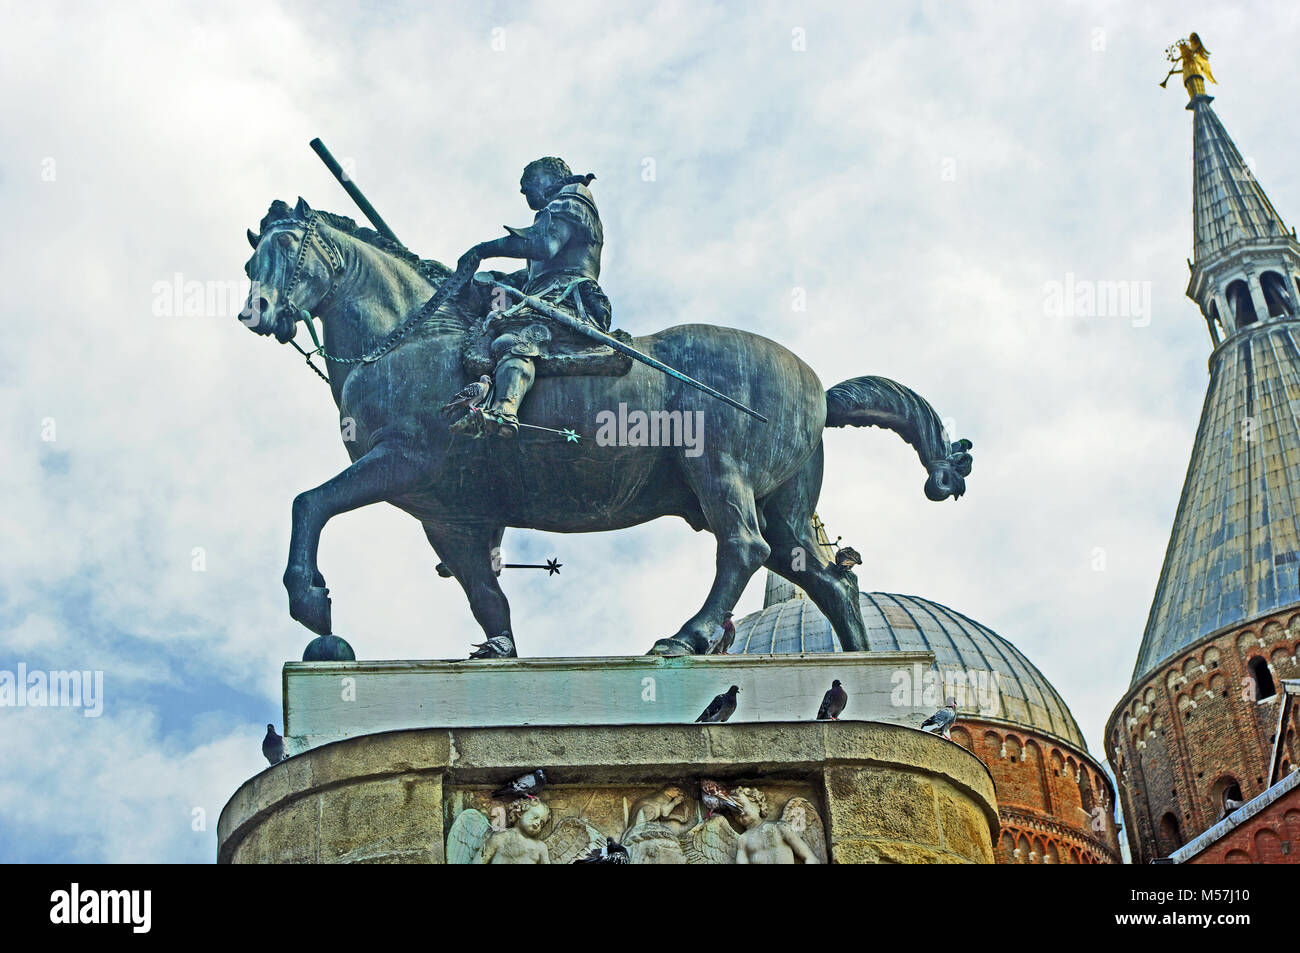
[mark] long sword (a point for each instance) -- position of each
(573, 324)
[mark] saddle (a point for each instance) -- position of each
(556, 351)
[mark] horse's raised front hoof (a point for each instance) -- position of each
(671, 648)
(312, 608)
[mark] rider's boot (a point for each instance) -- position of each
(514, 376)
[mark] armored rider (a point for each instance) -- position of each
(562, 249)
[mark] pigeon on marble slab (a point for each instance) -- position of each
(721, 708)
(833, 702)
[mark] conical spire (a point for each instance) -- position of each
(1230, 207)
(1234, 550)
(1246, 268)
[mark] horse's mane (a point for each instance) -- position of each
(434, 272)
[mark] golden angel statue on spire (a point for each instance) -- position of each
(1192, 59)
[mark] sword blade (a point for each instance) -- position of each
(587, 330)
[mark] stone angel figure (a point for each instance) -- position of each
(473, 840)
(797, 837)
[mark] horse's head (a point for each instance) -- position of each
(294, 270)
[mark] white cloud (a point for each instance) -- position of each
(171, 131)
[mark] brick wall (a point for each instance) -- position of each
(1193, 727)
(1270, 837)
(1055, 803)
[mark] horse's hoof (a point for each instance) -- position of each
(312, 608)
(671, 648)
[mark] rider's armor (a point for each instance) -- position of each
(522, 339)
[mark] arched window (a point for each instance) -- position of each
(1258, 669)
(1022, 849)
(1275, 294)
(1226, 793)
(1171, 834)
(1008, 848)
(1243, 309)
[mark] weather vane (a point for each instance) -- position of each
(1192, 59)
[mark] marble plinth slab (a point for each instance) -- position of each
(331, 701)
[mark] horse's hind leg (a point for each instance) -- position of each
(796, 555)
(727, 500)
(468, 552)
(383, 473)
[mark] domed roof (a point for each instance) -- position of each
(897, 623)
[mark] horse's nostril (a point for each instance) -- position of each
(261, 306)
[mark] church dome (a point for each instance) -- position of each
(791, 623)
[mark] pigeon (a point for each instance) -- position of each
(470, 396)
(833, 702)
(502, 646)
(723, 637)
(721, 708)
(273, 746)
(715, 797)
(847, 558)
(526, 785)
(943, 719)
(611, 852)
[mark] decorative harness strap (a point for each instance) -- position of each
(452, 284)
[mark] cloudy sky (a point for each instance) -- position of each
(927, 173)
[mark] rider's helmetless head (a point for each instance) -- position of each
(542, 178)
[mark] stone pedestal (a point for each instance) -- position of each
(330, 701)
(853, 791)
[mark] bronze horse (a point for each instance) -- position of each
(754, 485)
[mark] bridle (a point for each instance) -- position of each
(311, 235)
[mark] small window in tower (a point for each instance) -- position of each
(1258, 669)
(1275, 294)
(1243, 309)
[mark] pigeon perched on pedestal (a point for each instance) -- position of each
(723, 637)
(833, 702)
(716, 798)
(273, 746)
(501, 646)
(526, 785)
(611, 852)
(721, 708)
(469, 396)
(943, 719)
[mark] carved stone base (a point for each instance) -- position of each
(840, 792)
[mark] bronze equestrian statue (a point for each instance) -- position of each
(396, 351)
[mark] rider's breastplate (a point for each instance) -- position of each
(580, 255)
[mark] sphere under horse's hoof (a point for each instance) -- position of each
(328, 648)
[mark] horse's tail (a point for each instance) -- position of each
(880, 402)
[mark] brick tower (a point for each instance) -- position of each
(1194, 736)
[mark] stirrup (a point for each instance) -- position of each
(501, 423)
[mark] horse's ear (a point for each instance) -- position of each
(253, 239)
(302, 209)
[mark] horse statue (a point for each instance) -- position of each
(754, 485)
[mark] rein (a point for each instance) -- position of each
(311, 235)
